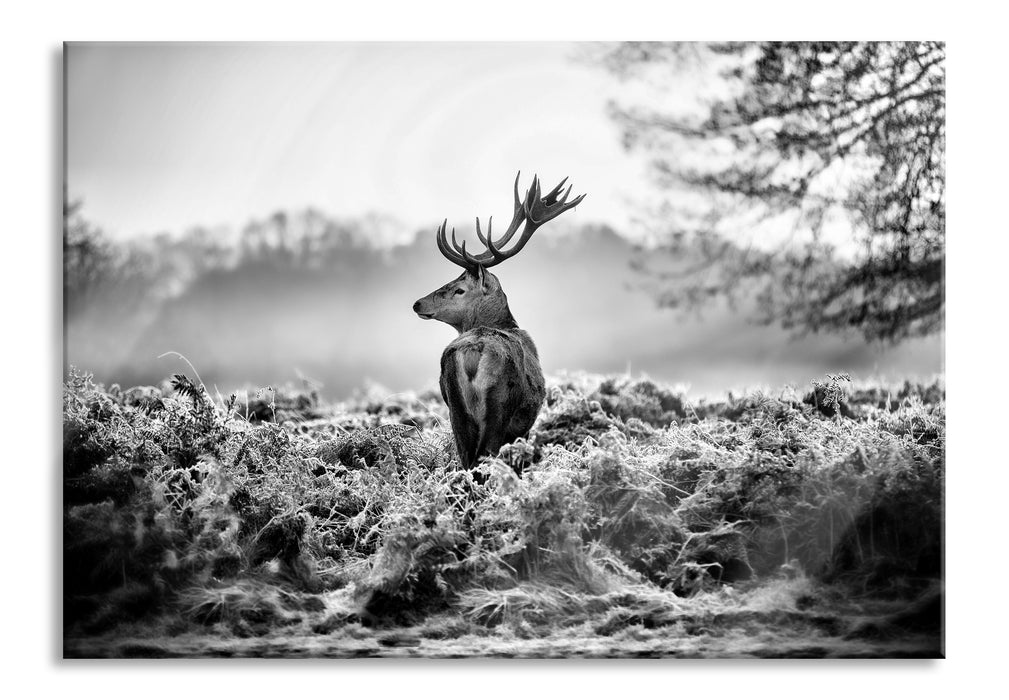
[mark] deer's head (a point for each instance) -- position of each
(476, 298)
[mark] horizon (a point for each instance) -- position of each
(339, 318)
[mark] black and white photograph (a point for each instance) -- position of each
(503, 349)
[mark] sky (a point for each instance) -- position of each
(165, 137)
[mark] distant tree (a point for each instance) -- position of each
(88, 259)
(813, 181)
(96, 271)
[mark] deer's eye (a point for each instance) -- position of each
(460, 291)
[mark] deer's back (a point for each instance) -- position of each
(502, 365)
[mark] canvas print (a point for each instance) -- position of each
(526, 350)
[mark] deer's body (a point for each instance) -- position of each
(490, 374)
(493, 385)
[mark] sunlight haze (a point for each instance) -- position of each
(166, 137)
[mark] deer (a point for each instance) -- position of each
(491, 378)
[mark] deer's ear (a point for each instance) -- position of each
(481, 276)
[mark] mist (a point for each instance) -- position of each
(340, 317)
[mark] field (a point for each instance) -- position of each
(797, 523)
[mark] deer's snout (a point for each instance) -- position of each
(418, 308)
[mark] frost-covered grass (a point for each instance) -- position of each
(637, 513)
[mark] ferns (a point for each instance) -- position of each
(180, 500)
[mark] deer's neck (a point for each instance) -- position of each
(501, 323)
(491, 312)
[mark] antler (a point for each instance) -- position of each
(534, 209)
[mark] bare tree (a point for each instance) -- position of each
(814, 182)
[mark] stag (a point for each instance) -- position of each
(490, 374)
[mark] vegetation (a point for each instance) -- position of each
(643, 524)
(812, 176)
